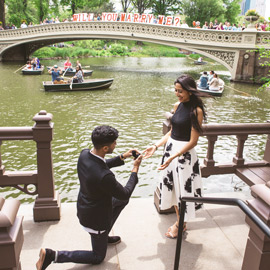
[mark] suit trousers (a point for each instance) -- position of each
(99, 242)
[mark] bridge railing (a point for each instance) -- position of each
(47, 203)
(186, 35)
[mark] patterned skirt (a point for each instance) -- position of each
(181, 178)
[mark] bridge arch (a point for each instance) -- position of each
(230, 48)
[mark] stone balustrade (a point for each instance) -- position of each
(47, 203)
(11, 235)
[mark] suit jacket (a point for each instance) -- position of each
(97, 187)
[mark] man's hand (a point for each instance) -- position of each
(129, 153)
(137, 163)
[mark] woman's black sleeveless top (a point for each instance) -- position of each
(181, 122)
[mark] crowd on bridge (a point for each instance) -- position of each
(156, 20)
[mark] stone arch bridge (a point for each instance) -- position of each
(232, 49)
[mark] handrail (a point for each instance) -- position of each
(223, 201)
(47, 203)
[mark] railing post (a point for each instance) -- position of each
(209, 160)
(47, 204)
(238, 159)
(266, 156)
(257, 254)
(2, 168)
(11, 235)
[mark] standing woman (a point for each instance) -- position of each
(181, 176)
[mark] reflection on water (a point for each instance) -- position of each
(142, 91)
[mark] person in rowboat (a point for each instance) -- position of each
(78, 78)
(56, 72)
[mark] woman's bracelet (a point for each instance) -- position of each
(156, 146)
(180, 154)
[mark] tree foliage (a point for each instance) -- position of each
(125, 5)
(20, 10)
(202, 10)
(142, 5)
(2, 12)
(232, 10)
(166, 7)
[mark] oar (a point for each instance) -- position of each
(70, 86)
(20, 68)
(244, 93)
(65, 72)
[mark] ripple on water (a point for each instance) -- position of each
(135, 104)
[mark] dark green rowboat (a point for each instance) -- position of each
(86, 85)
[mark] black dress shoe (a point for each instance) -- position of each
(46, 257)
(113, 240)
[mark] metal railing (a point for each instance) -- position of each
(223, 201)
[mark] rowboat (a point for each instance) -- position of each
(213, 92)
(38, 71)
(72, 71)
(200, 63)
(90, 84)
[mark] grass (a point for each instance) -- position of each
(94, 48)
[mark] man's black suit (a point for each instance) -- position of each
(97, 188)
(100, 201)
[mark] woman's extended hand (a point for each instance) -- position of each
(165, 164)
(149, 151)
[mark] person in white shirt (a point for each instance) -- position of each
(184, 25)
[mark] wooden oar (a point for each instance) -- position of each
(65, 72)
(247, 94)
(20, 68)
(70, 86)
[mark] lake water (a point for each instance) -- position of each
(135, 104)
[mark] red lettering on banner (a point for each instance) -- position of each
(143, 18)
(91, 16)
(84, 17)
(114, 17)
(123, 17)
(75, 17)
(104, 16)
(160, 19)
(109, 17)
(150, 18)
(169, 20)
(129, 17)
(176, 21)
(136, 17)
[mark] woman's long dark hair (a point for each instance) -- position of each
(189, 84)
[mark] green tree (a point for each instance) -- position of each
(125, 5)
(42, 7)
(202, 10)
(19, 10)
(142, 5)
(2, 12)
(233, 9)
(166, 7)
(96, 6)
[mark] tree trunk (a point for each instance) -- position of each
(73, 7)
(2, 13)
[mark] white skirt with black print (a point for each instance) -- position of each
(181, 178)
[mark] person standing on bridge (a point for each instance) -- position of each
(100, 201)
(180, 164)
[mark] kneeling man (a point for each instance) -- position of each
(100, 201)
